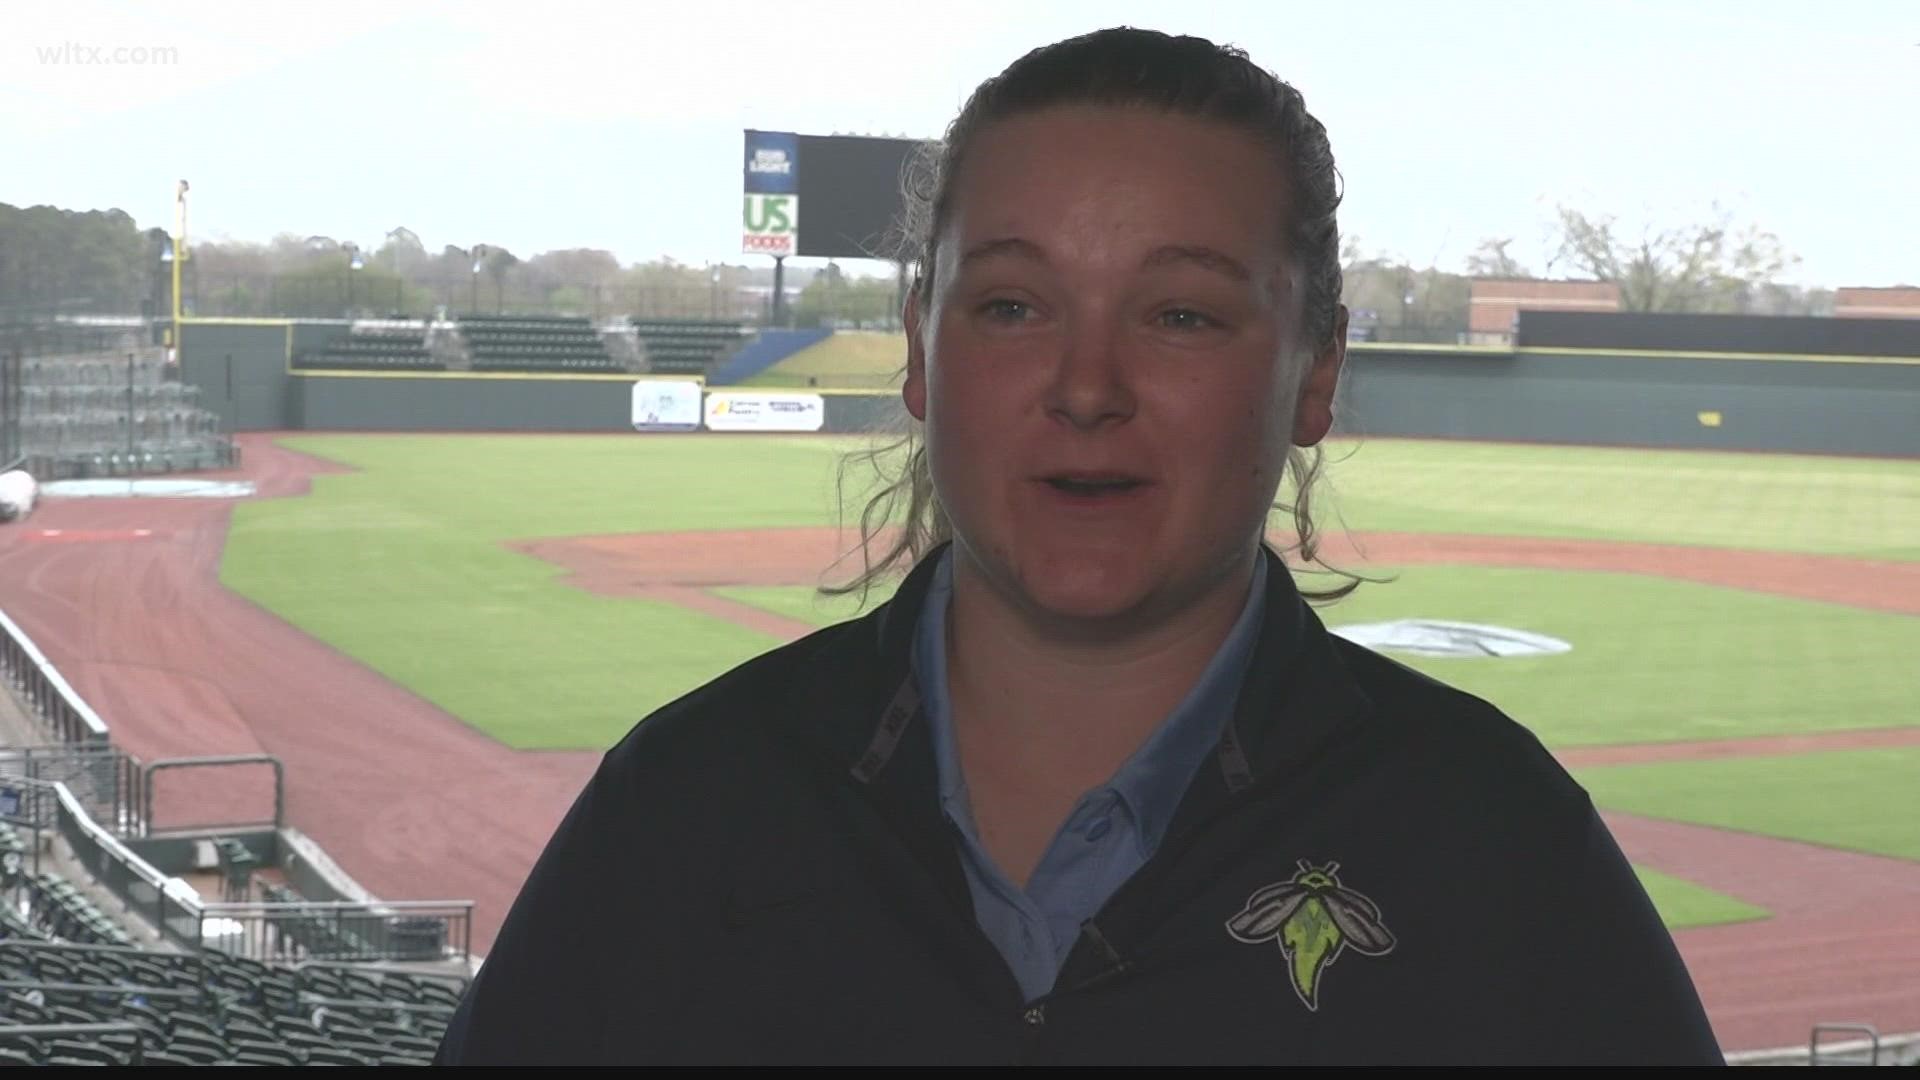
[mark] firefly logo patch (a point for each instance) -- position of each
(1313, 918)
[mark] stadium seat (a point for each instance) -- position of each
(195, 1053)
(198, 1044)
(414, 1044)
(266, 1052)
(237, 1030)
(360, 1041)
(193, 1024)
(79, 1052)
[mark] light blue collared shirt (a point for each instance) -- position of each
(1112, 831)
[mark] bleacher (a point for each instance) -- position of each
(687, 346)
(384, 349)
(107, 959)
(74, 989)
(98, 415)
(535, 343)
(62, 1003)
(46, 905)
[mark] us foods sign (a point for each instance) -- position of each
(770, 220)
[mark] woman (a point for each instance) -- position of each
(1096, 784)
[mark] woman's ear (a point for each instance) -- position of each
(1313, 413)
(914, 390)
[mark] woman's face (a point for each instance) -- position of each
(1103, 366)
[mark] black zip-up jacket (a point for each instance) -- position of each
(1372, 867)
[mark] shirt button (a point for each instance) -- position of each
(1035, 1016)
(1099, 829)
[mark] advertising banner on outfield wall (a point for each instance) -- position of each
(666, 405)
(736, 411)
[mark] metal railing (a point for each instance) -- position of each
(54, 787)
(106, 780)
(192, 960)
(135, 1050)
(290, 932)
(45, 693)
(1871, 1045)
(174, 909)
(279, 791)
(26, 803)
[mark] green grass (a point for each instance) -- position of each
(803, 603)
(401, 565)
(1653, 659)
(484, 633)
(532, 485)
(1859, 800)
(1683, 904)
(1778, 502)
(845, 359)
(1862, 507)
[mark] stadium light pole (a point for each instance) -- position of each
(479, 256)
(179, 253)
(166, 271)
(354, 262)
(779, 290)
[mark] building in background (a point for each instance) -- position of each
(1494, 306)
(1898, 302)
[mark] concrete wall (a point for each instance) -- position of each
(460, 402)
(241, 370)
(1803, 404)
(865, 413)
(183, 854)
(529, 403)
(1792, 405)
(1775, 335)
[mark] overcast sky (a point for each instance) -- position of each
(617, 125)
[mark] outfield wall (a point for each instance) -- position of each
(456, 401)
(241, 367)
(1811, 404)
(1805, 405)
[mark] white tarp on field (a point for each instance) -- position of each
(1439, 637)
(152, 489)
(17, 495)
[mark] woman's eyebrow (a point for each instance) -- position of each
(1204, 257)
(1006, 245)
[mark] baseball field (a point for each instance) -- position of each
(1739, 695)
(485, 575)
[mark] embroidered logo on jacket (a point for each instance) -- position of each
(1314, 919)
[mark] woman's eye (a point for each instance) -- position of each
(1185, 319)
(1006, 310)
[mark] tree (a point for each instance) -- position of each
(498, 265)
(402, 252)
(1699, 268)
(580, 267)
(833, 298)
(1390, 300)
(65, 261)
(1491, 260)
